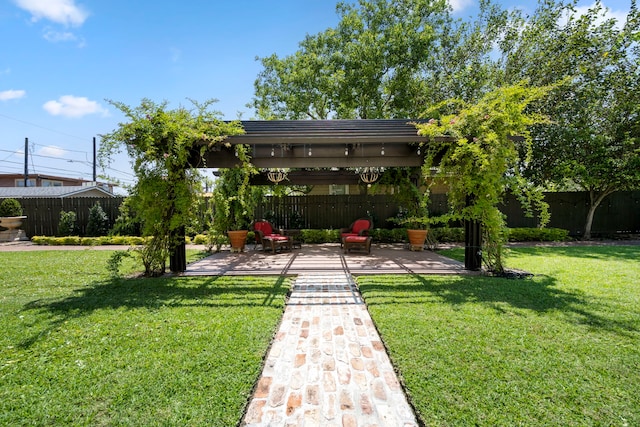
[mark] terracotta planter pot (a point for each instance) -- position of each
(417, 239)
(237, 238)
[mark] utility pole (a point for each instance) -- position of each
(94, 161)
(26, 162)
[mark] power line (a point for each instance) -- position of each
(42, 127)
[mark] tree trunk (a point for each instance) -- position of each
(595, 199)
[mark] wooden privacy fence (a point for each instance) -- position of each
(332, 212)
(43, 214)
(618, 214)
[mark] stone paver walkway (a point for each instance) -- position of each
(327, 365)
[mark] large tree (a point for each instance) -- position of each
(593, 140)
(384, 59)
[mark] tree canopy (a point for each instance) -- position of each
(592, 142)
(384, 59)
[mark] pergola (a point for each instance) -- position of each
(328, 147)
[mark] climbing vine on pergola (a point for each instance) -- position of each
(482, 160)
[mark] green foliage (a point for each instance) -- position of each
(163, 144)
(89, 241)
(447, 234)
(538, 235)
(593, 140)
(473, 151)
(98, 224)
(384, 235)
(114, 263)
(67, 224)
(409, 192)
(10, 207)
(153, 255)
(319, 236)
(383, 59)
(127, 222)
(235, 200)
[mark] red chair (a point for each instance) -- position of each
(266, 237)
(360, 227)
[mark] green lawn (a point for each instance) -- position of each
(81, 348)
(559, 349)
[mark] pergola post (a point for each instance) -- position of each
(472, 242)
(472, 245)
(178, 252)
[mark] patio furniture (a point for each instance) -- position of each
(296, 238)
(268, 239)
(359, 227)
(362, 243)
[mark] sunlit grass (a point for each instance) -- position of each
(561, 348)
(81, 348)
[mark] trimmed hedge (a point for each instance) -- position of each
(381, 235)
(538, 235)
(87, 241)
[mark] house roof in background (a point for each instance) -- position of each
(69, 191)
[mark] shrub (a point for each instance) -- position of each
(98, 224)
(320, 236)
(67, 223)
(126, 224)
(538, 235)
(10, 207)
(447, 234)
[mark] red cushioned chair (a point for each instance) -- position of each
(360, 227)
(266, 237)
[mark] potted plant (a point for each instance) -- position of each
(235, 201)
(413, 201)
(10, 220)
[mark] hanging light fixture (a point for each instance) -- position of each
(277, 175)
(369, 175)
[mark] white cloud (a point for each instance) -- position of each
(57, 36)
(12, 94)
(74, 106)
(619, 15)
(52, 151)
(64, 12)
(459, 5)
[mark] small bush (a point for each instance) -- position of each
(67, 223)
(98, 224)
(447, 234)
(10, 207)
(115, 262)
(383, 235)
(320, 236)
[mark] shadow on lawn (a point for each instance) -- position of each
(503, 295)
(159, 293)
(618, 251)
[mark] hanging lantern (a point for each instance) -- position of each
(369, 175)
(277, 175)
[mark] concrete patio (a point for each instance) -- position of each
(326, 258)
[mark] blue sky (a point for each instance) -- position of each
(62, 59)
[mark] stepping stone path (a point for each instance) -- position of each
(327, 365)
